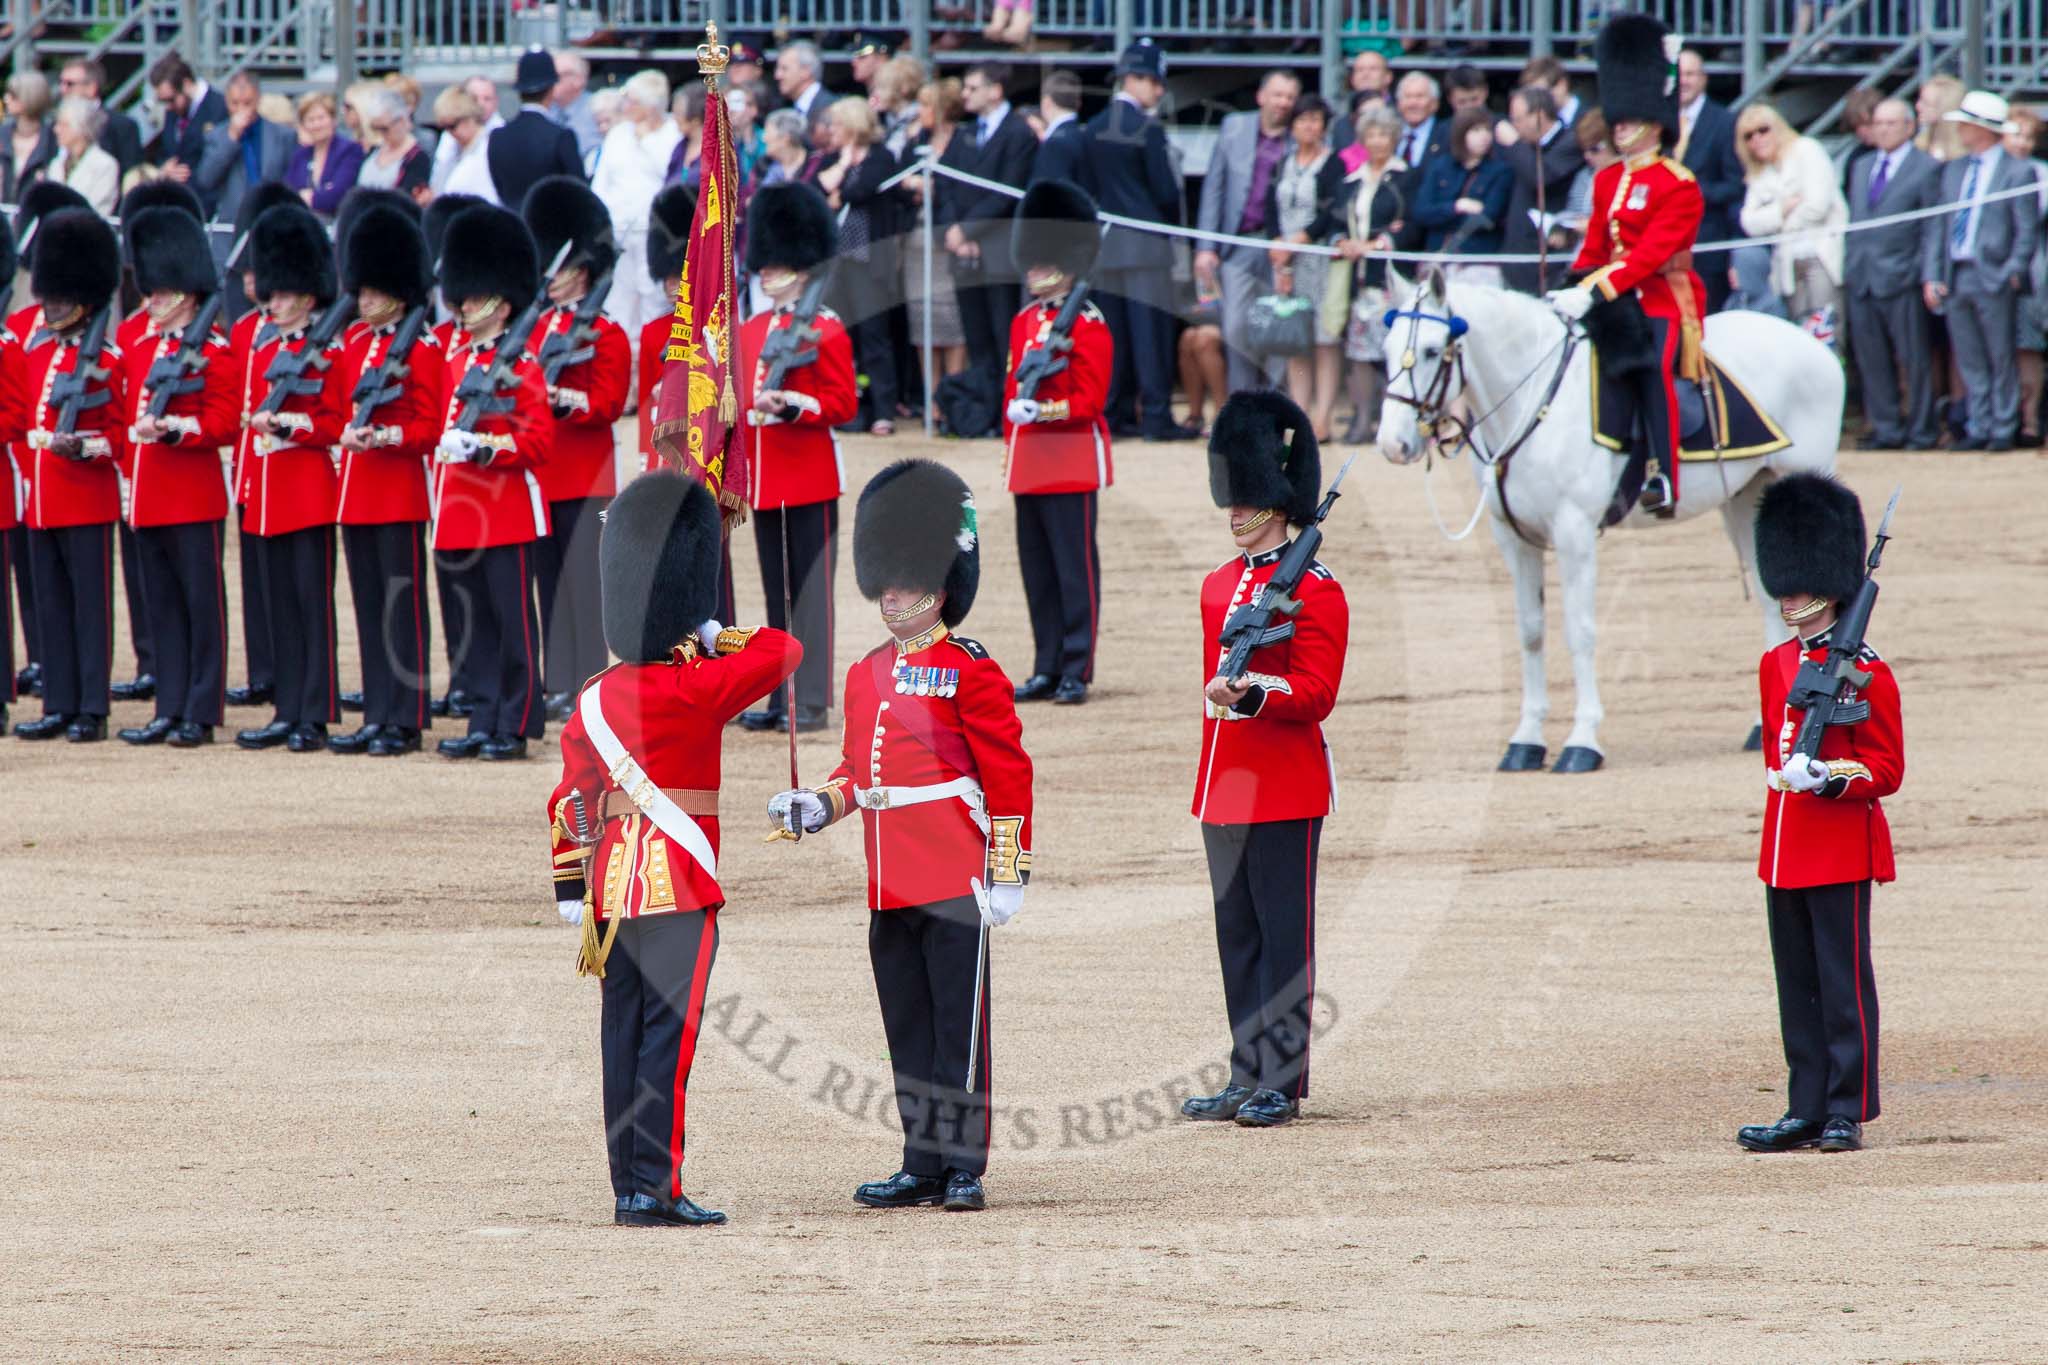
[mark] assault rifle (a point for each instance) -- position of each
(793, 347)
(82, 388)
(287, 375)
(386, 380)
(486, 390)
(578, 344)
(185, 372)
(1818, 688)
(1252, 625)
(1042, 362)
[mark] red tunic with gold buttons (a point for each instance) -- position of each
(171, 483)
(66, 492)
(288, 478)
(1265, 758)
(1067, 449)
(671, 718)
(477, 506)
(653, 348)
(922, 713)
(1838, 833)
(388, 483)
(795, 460)
(1646, 217)
(585, 464)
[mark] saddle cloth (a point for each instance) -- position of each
(1746, 430)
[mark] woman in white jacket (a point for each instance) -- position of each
(630, 171)
(1792, 189)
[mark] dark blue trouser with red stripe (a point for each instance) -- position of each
(924, 958)
(74, 582)
(497, 653)
(387, 580)
(1062, 581)
(1264, 879)
(654, 985)
(188, 607)
(1827, 999)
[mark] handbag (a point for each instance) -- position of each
(1280, 325)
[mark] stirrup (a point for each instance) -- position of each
(1656, 495)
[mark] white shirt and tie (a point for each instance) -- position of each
(1977, 178)
(985, 126)
(1415, 142)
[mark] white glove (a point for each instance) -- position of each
(707, 635)
(1803, 774)
(1573, 303)
(798, 807)
(1022, 412)
(458, 446)
(570, 911)
(999, 904)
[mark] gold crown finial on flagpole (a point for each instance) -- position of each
(712, 55)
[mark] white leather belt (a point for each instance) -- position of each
(888, 798)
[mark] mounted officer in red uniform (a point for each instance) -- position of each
(1640, 299)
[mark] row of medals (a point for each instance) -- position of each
(927, 682)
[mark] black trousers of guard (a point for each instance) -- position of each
(455, 626)
(298, 587)
(501, 649)
(571, 602)
(1137, 304)
(924, 958)
(74, 582)
(141, 634)
(25, 590)
(1827, 999)
(387, 579)
(7, 572)
(256, 650)
(1264, 880)
(813, 563)
(1062, 581)
(188, 602)
(654, 985)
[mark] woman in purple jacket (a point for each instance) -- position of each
(324, 167)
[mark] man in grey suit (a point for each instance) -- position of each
(1249, 148)
(1889, 334)
(1974, 262)
(244, 151)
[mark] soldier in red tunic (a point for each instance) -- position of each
(795, 470)
(1057, 454)
(74, 483)
(177, 497)
(383, 507)
(668, 243)
(460, 697)
(1266, 780)
(289, 475)
(635, 821)
(488, 503)
(934, 760)
(1641, 300)
(587, 395)
(1825, 839)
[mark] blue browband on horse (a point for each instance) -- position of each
(1457, 325)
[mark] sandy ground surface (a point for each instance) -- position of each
(297, 1066)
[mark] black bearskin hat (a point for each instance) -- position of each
(1809, 538)
(39, 201)
(789, 227)
(290, 254)
(441, 211)
(167, 249)
(487, 252)
(161, 194)
(258, 200)
(1263, 453)
(77, 260)
(385, 250)
(562, 209)
(1056, 226)
(361, 200)
(1638, 65)
(668, 231)
(658, 564)
(914, 527)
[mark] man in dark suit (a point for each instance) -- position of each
(1423, 135)
(1127, 169)
(192, 110)
(532, 146)
(84, 78)
(1060, 150)
(995, 144)
(1544, 157)
(245, 151)
(1706, 145)
(1889, 333)
(1974, 263)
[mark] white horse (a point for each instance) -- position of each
(1529, 396)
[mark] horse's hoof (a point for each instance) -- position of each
(1523, 758)
(1755, 743)
(1577, 758)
